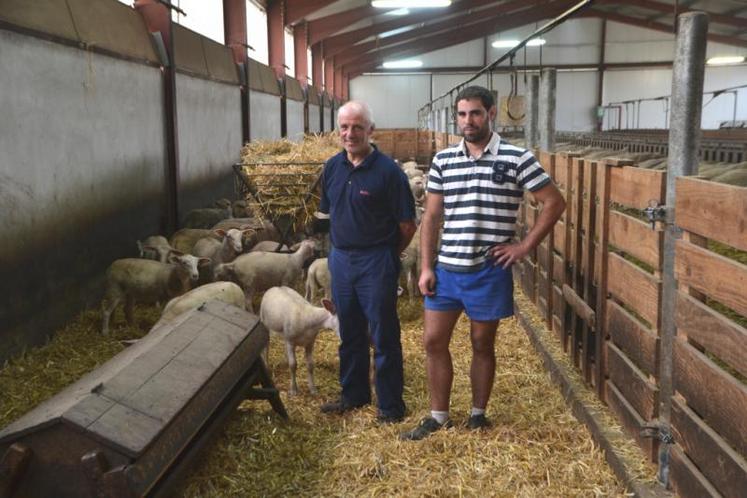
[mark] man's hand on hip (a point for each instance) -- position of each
(507, 254)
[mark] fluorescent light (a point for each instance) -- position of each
(534, 42)
(403, 64)
(724, 60)
(411, 4)
(399, 12)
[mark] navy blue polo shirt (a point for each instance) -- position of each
(365, 203)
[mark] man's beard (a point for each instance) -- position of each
(477, 136)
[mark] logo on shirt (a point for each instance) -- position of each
(365, 193)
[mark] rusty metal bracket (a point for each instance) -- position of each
(656, 212)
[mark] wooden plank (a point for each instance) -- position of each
(561, 171)
(559, 237)
(588, 331)
(531, 212)
(716, 333)
(721, 278)
(638, 289)
(719, 463)
(543, 286)
(541, 305)
(687, 481)
(629, 418)
(579, 307)
(602, 274)
(637, 341)
(716, 396)
(558, 304)
(636, 238)
(557, 269)
(530, 272)
(713, 210)
(640, 392)
(635, 187)
(543, 256)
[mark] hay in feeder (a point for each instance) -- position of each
(283, 176)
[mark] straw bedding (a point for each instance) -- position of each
(536, 447)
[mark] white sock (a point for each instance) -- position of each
(441, 417)
(477, 411)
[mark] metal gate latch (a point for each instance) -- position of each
(655, 212)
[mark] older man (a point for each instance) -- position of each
(372, 213)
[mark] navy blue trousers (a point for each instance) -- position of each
(364, 289)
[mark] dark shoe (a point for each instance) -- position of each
(389, 419)
(338, 406)
(478, 422)
(427, 426)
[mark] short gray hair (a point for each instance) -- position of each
(358, 107)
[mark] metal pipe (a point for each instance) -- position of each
(546, 120)
(530, 129)
(684, 136)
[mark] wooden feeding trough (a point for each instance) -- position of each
(132, 426)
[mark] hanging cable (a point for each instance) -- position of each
(514, 76)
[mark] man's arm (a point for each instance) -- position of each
(406, 232)
(429, 227)
(553, 206)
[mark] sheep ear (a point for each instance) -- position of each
(329, 305)
(204, 261)
(248, 231)
(219, 232)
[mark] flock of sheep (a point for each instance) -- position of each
(225, 254)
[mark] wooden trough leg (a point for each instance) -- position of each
(12, 466)
(268, 390)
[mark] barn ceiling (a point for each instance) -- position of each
(360, 37)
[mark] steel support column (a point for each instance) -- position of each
(546, 120)
(300, 45)
(234, 26)
(276, 36)
(317, 67)
(329, 76)
(684, 138)
(158, 21)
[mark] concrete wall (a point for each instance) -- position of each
(209, 124)
(81, 176)
(314, 119)
(394, 100)
(264, 118)
(294, 112)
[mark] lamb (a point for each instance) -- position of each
(228, 292)
(417, 186)
(207, 217)
(285, 312)
(318, 278)
(265, 229)
(185, 239)
(223, 251)
(410, 259)
(155, 247)
(147, 281)
(269, 246)
(258, 271)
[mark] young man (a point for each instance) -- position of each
(372, 219)
(475, 187)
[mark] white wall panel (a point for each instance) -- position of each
(314, 119)
(264, 118)
(294, 122)
(394, 99)
(722, 107)
(626, 43)
(575, 104)
(464, 54)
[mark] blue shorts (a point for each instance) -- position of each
(485, 295)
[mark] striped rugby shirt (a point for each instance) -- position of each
(481, 198)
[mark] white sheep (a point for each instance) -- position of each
(417, 186)
(228, 292)
(285, 312)
(410, 259)
(224, 250)
(258, 271)
(269, 246)
(318, 278)
(185, 239)
(207, 217)
(147, 281)
(155, 247)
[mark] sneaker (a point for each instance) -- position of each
(478, 422)
(427, 426)
(338, 406)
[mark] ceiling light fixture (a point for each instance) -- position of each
(534, 42)
(399, 12)
(409, 4)
(725, 60)
(403, 64)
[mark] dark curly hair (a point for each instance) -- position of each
(476, 92)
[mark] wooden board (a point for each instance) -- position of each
(716, 333)
(543, 255)
(687, 481)
(721, 278)
(716, 396)
(529, 280)
(559, 237)
(557, 269)
(636, 238)
(718, 462)
(628, 418)
(531, 214)
(635, 187)
(638, 289)
(637, 341)
(713, 210)
(638, 390)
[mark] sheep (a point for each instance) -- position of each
(410, 259)
(228, 292)
(265, 229)
(240, 209)
(155, 247)
(207, 217)
(285, 312)
(223, 251)
(417, 186)
(318, 278)
(185, 239)
(258, 271)
(269, 246)
(147, 281)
